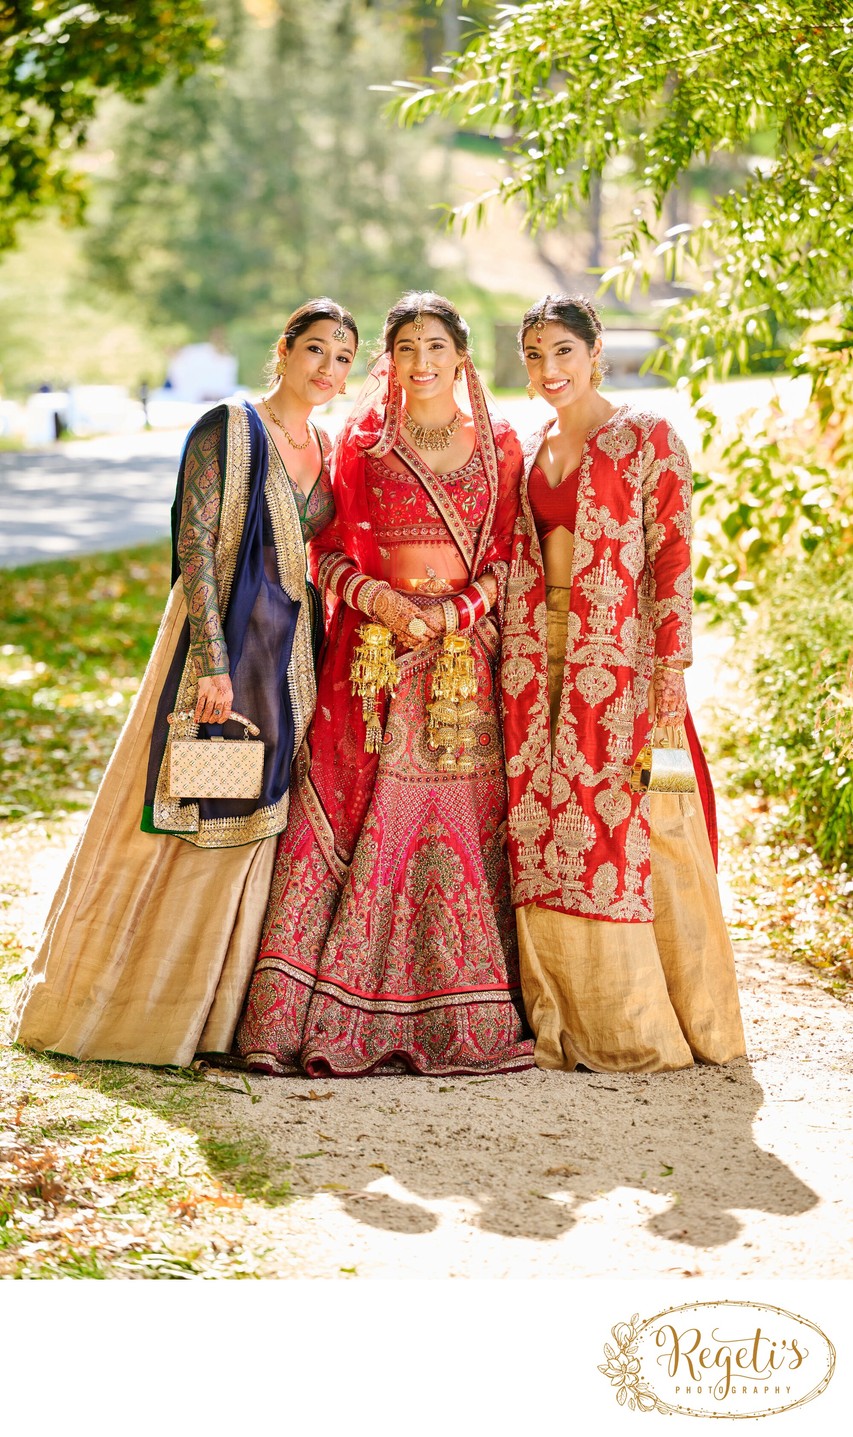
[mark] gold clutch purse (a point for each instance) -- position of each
(663, 770)
(216, 767)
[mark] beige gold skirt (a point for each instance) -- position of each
(634, 997)
(150, 942)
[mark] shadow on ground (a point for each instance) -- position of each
(524, 1155)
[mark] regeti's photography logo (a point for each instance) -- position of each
(718, 1359)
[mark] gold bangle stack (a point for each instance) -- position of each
(451, 616)
(370, 593)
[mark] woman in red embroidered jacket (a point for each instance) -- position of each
(626, 964)
(389, 939)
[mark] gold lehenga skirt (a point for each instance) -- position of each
(634, 997)
(150, 942)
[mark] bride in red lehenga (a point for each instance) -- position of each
(389, 940)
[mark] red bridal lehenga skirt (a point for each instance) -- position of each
(408, 959)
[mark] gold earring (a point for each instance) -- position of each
(531, 392)
(460, 370)
(281, 367)
(343, 388)
(596, 374)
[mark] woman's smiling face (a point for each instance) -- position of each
(426, 361)
(317, 363)
(559, 364)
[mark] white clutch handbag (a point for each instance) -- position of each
(216, 767)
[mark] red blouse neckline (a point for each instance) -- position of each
(539, 470)
(554, 506)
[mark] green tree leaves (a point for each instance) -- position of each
(581, 84)
(55, 60)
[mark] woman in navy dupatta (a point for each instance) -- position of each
(152, 936)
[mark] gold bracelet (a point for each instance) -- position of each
(670, 668)
(451, 616)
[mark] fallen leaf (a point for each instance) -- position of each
(381, 1166)
(311, 1097)
(563, 1171)
(553, 1135)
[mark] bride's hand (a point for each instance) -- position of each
(397, 614)
(435, 617)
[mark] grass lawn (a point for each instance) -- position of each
(75, 636)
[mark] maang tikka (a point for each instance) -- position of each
(340, 333)
(418, 321)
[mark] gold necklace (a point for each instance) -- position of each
(289, 437)
(435, 436)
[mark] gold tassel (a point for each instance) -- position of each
(452, 710)
(373, 668)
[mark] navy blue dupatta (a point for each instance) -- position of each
(259, 626)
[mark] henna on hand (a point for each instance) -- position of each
(667, 697)
(435, 619)
(215, 697)
(396, 613)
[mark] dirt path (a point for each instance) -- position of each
(738, 1172)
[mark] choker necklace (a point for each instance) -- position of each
(289, 437)
(426, 436)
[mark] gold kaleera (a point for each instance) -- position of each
(373, 669)
(451, 710)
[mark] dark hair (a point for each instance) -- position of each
(572, 311)
(302, 319)
(416, 302)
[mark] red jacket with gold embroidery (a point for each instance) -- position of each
(578, 839)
